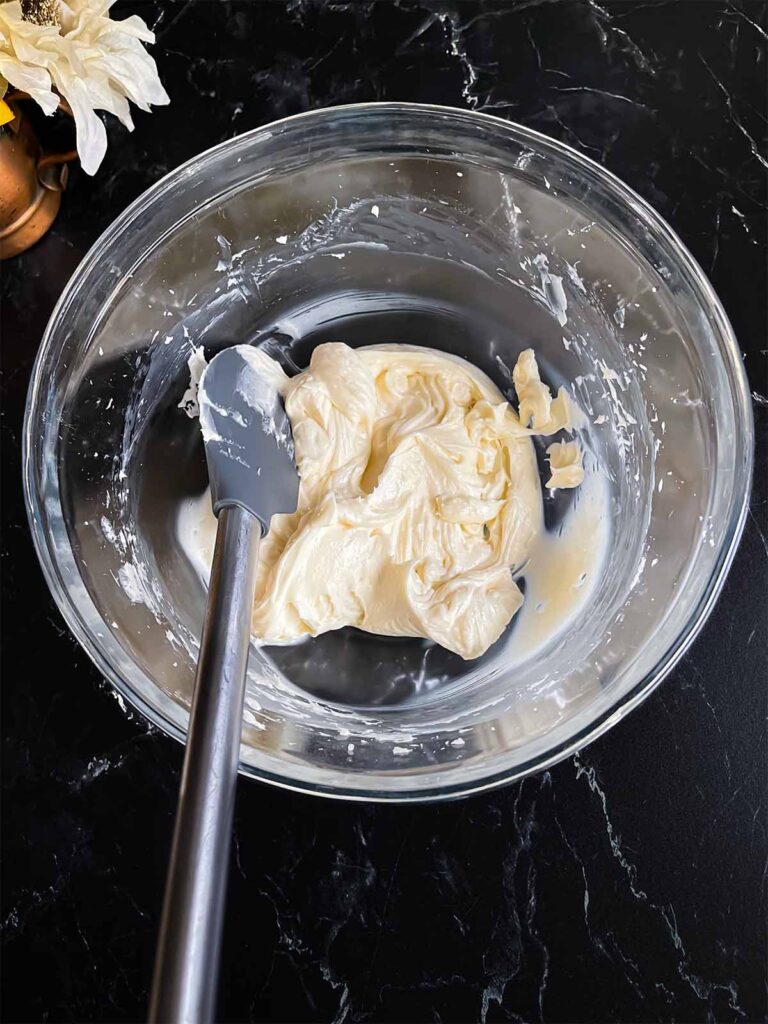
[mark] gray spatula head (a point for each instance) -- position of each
(247, 435)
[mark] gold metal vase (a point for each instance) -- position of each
(31, 181)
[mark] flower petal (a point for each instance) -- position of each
(91, 134)
(6, 114)
(35, 81)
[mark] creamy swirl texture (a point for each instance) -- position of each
(419, 497)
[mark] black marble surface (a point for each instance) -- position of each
(627, 883)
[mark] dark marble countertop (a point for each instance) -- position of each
(625, 884)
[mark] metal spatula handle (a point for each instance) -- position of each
(186, 965)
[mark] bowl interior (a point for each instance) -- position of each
(378, 225)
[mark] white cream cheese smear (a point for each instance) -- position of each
(419, 498)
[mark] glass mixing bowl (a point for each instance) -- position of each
(392, 223)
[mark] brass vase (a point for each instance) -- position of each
(31, 181)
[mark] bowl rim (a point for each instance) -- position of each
(608, 718)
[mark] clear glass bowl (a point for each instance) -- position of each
(381, 223)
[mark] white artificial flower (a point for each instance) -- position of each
(93, 62)
(17, 33)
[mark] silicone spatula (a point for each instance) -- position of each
(249, 450)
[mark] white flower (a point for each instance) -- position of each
(18, 37)
(93, 62)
